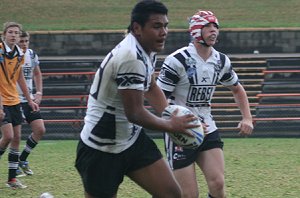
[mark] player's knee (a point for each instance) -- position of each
(40, 131)
(7, 139)
(170, 192)
(190, 193)
(217, 184)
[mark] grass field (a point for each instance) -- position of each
(255, 168)
(107, 14)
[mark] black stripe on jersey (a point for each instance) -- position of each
(106, 127)
(140, 57)
(100, 143)
(95, 95)
(195, 74)
(127, 79)
(227, 77)
(187, 53)
(182, 59)
(218, 68)
(168, 75)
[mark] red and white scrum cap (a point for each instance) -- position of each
(198, 21)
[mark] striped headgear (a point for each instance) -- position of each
(198, 21)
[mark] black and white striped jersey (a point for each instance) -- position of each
(192, 81)
(106, 127)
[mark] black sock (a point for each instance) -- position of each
(2, 151)
(30, 144)
(13, 163)
(209, 196)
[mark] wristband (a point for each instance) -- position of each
(39, 93)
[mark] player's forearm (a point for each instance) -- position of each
(24, 88)
(135, 111)
(38, 80)
(241, 99)
(156, 99)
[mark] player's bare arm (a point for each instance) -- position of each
(37, 77)
(240, 96)
(156, 97)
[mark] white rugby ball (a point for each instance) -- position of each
(46, 195)
(179, 138)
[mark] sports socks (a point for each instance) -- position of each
(209, 196)
(2, 151)
(30, 144)
(13, 163)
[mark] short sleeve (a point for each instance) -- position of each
(131, 75)
(169, 74)
(229, 76)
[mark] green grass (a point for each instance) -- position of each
(255, 168)
(112, 15)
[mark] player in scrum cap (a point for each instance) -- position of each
(189, 77)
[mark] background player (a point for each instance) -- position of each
(11, 73)
(32, 73)
(2, 114)
(189, 77)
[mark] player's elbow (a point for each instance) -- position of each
(132, 117)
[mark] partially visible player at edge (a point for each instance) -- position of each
(113, 143)
(189, 77)
(11, 73)
(32, 72)
(2, 114)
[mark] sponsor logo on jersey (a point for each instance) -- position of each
(189, 61)
(218, 66)
(199, 94)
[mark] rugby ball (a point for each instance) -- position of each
(179, 138)
(46, 195)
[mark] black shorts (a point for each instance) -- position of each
(103, 172)
(29, 114)
(13, 115)
(179, 157)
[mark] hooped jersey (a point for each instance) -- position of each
(10, 68)
(31, 60)
(192, 81)
(106, 127)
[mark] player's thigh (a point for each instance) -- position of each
(211, 163)
(157, 179)
(187, 179)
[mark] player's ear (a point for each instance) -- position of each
(137, 28)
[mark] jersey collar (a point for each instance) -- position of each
(8, 49)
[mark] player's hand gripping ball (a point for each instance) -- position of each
(179, 138)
